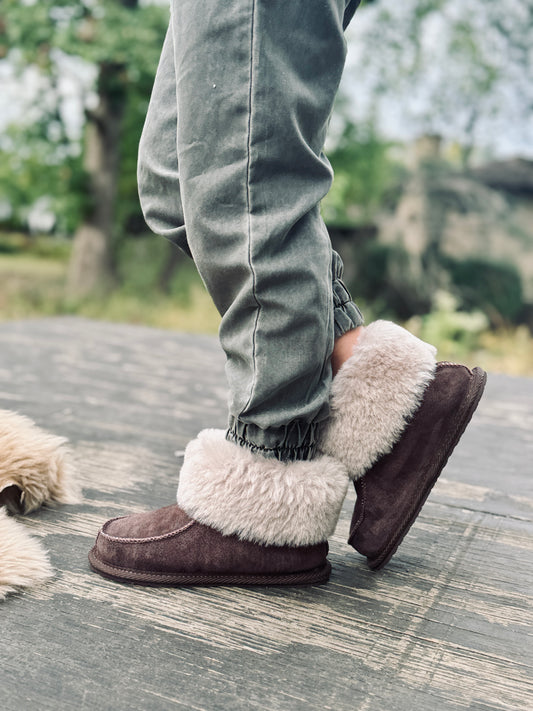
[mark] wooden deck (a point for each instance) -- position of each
(445, 626)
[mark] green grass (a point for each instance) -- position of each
(32, 286)
(464, 337)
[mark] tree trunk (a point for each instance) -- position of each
(91, 265)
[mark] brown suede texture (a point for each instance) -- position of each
(169, 541)
(391, 493)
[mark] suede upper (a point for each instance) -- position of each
(168, 541)
(390, 495)
(245, 519)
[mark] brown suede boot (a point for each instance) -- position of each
(168, 547)
(396, 418)
(391, 495)
(241, 519)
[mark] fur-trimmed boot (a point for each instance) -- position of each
(396, 416)
(240, 519)
(35, 469)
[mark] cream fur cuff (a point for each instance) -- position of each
(266, 501)
(374, 395)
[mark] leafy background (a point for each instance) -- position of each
(433, 91)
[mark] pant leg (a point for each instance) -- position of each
(157, 166)
(254, 86)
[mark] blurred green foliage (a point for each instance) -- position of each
(121, 32)
(492, 287)
(456, 331)
(460, 68)
(364, 173)
(30, 170)
(381, 280)
(123, 40)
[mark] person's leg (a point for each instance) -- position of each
(283, 301)
(251, 177)
(254, 87)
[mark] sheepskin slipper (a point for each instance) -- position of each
(374, 394)
(23, 561)
(391, 494)
(396, 416)
(168, 547)
(240, 519)
(35, 468)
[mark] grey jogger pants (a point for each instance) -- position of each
(231, 169)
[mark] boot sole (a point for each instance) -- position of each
(471, 401)
(124, 575)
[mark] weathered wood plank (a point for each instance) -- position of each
(447, 625)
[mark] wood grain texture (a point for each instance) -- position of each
(445, 626)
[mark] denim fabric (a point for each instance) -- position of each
(231, 169)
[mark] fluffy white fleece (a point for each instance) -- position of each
(35, 462)
(23, 560)
(263, 500)
(374, 394)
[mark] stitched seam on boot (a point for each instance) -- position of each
(152, 539)
(441, 365)
(135, 571)
(204, 574)
(363, 507)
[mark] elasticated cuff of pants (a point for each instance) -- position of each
(297, 440)
(346, 315)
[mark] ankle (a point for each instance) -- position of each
(343, 348)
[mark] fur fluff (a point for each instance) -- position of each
(23, 560)
(374, 395)
(262, 500)
(35, 466)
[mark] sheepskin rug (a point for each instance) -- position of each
(35, 470)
